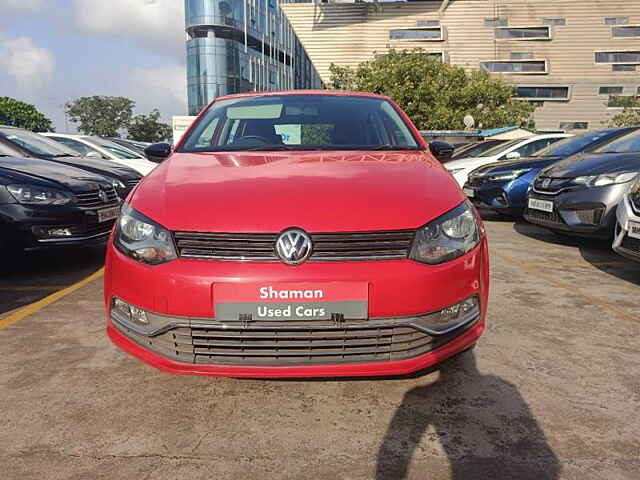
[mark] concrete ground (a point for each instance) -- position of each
(552, 391)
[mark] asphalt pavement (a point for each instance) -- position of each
(551, 392)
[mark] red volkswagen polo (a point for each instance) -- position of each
(297, 234)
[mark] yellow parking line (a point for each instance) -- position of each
(29, 288)
(533, 270)
(35, 307)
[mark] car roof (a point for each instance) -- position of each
(340, 93)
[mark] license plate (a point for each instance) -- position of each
(108, 214)
(544, 205)
(634, 229)
(291, 301)
(469, 192)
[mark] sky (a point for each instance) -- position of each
(52, 51)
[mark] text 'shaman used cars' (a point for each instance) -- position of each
(297, 234)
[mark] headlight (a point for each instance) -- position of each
(143, 239)
(34, 195)
(512, 175)
(447, 237)
(606, 179)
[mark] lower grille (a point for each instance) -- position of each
(548, 217)
(326, 246)
(283, 344)
(631, 244)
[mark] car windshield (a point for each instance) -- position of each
(476, 149)
(625, 144)
(37, 144)
(301, 122)
(572, 145)
(498, 149)
(115, 149)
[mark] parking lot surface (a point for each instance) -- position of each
(552, 390)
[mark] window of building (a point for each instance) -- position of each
(495, 22)
(428, 23)
(623, 101)
(521, 55)
(554, 21)
(616, 20)
(567, 126)
(523, 33)
(618, 57)
(626, 31)
(419, 34)
(516, 66)
(610, 90)
(624, 68)
(543, 92)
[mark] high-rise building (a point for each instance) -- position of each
(579, 60)
(238, 46)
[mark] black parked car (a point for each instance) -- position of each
(44, 204)
(23, 143)
(580, 195)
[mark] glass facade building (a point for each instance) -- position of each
(236, 46)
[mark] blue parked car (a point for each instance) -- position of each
(502, 187)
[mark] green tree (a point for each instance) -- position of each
(24, 115)
(101, 115)
(149, 128)
(434, 94)
(630, 114)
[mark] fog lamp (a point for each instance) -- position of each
(130, 312)
(450, 318)
(59, 232)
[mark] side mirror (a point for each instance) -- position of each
(513, 156)
(158, 152)
(441, 150)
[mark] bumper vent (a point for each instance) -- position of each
(544, 217)
(631, 244)
(326, 246)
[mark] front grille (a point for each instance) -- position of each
(92, 199)
(548, 217)
(285, 344)
(326, 246)
(555, 184)
(631, 244)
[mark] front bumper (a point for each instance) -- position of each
(26, 227)
(624, 244)
(589, 212)
(384, 344)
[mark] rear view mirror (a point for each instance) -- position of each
(158, 152)
(441, 150)
(513, 156)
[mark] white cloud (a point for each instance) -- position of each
(156, 24)
(30, 66)
(25, 5)
(162, 88)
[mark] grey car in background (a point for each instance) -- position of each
(580, 195)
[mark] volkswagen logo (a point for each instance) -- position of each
(293, 246)
(103, 196)
(546, 182)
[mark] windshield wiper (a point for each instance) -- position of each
(389, 147)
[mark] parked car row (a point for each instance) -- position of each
(52, 195)
(588, 185)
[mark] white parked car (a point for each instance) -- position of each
(89, 146)
(627, 238)
(521, 147)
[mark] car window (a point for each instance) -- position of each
(312, 122)
(572, 145)
(475, 150)
(37, 144)
(627, 143)
(533, 147)
(498, 149)
(115, 149)
(79, 147)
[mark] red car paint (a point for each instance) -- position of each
(318, 191)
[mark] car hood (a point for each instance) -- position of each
(47, 173)
(470, 163)
(99, 166)
(144, 167)
(594, 164)
(522, 163)
(316, 191)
